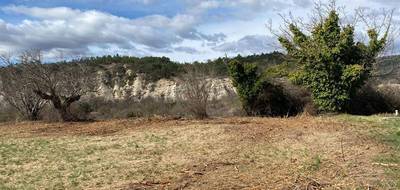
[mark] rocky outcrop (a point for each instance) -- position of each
(138, 88)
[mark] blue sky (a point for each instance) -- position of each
(125, 8)
(184, 30)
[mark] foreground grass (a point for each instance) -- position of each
(387, 131)
(340, 152)
(95, 161)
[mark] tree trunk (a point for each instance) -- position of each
(66, 115)
(62, 105)
(33, 115)
(63, 110)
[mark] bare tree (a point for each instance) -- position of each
(16, 91)
(61, 84)
(197, 90)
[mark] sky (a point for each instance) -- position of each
(183, 30)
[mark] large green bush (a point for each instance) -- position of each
(332, 64)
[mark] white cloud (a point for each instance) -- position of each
(185, 49)
(48, 13)
(251, 44)
(195, 29)
(68, 29)
(243, 9)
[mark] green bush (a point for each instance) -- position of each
(282, 70)
(247, 83)
(258, 95)
(332, 64)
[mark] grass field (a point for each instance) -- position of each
(340, 152)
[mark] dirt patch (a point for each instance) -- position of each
(299, 153)
(189, 177)
(98, 128)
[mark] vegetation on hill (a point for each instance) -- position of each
(155, 68)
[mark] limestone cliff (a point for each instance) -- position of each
(137, 87)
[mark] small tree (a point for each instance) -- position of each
(61, 84)
(247, 83)
(258, 95)
(197, 90)
(16, 91)
(333, 65)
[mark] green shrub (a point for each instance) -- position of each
(280, 70)
(332, 64)
(247, 83)
(258, 95)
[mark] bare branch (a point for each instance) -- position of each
(197, 91)
(16, 91)
(62, 84)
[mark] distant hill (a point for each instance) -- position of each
(156, 68)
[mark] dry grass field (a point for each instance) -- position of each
(336, 152)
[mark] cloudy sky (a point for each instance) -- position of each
(184, 30)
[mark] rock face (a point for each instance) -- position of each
(138, 88)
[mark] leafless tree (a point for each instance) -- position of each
(17, 92)
(197, 90)
(61, 84)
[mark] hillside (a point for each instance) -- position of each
(124, 82)
(130, 77)
(122, 77)
(130, 86)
